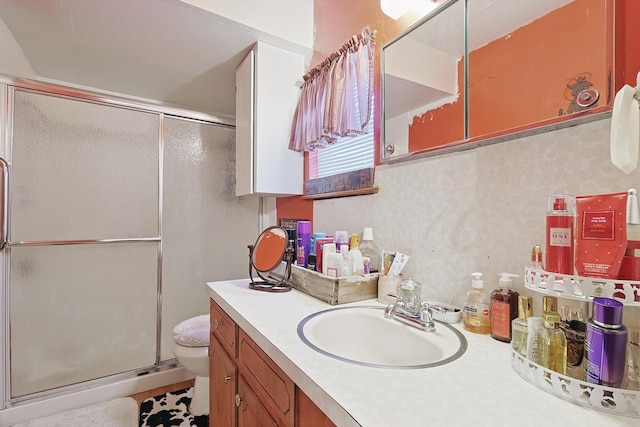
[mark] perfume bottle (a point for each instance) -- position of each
(632, 367)
(537, 341)
(557, 343)
(519, 328)
(574, 329)
(560, 214)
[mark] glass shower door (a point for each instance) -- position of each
(84, 241)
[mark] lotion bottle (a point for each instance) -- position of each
(355, 256)
(475, 315)
(606, 343)
(504, 308)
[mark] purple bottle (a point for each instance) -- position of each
(606, 343)
(304, 242)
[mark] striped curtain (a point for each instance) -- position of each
(336, 97)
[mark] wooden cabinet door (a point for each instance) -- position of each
(224, 328)
(308, 414)
(223, 375)
(251, 413)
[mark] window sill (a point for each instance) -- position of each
(346, 193)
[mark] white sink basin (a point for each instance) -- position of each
(362, 335)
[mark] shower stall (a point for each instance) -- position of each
(113, 215)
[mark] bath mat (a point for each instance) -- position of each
(122, 412)
(170, 410)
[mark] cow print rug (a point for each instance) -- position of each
(170, 410)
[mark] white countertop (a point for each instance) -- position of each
(479, 389)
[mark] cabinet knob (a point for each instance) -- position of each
(217, 324)
(238, 400)
(227, 378)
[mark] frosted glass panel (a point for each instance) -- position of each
(81, 312)
(82, 171)
(206, 228)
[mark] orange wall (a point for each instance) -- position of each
(523, 78)
(337, 20)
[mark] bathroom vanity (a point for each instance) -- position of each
(257, 356)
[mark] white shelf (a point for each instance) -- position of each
(607, 399)
(581, 288)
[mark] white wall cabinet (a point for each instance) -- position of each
(267, 90)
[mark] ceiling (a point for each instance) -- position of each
(162, 50)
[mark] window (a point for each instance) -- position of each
(343, 168)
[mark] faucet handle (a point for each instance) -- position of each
(425, 312)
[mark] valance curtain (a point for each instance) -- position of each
(336, 96)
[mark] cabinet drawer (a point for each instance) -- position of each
(224, 329)
(271, 385)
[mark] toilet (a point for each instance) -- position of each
(191, 348)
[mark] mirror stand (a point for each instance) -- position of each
(266, 284)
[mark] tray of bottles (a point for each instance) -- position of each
(607, 399)
(581, 288)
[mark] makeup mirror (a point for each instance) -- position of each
(266, 255)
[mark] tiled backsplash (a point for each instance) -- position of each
(478, 210)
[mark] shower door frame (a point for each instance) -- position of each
(8, 86)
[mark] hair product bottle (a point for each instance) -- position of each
(561, 211)
(574, 329)
(606, 343)
(370, 250)
(504, 308)
(475, 315)
(557, 360)
(519, 328)
(537, 341)
(304, 242)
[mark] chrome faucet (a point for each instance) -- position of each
(418, 317)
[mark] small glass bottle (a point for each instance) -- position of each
(410, 293)
(557, 360)
(537, 341)
(519, 329)
(632, 368)
(574, 329)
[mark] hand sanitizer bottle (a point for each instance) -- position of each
(475, 315)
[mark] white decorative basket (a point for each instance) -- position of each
(581, 288)
(613, 400)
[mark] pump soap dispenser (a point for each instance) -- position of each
(475, 315)
(504, 308)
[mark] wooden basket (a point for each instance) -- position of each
(334, 290)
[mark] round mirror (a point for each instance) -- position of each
(269, 249)
(266, 255)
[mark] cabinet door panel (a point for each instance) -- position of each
(223, 328)
(223, 374)
(308, 414)
(250, 412)
(270, 384)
